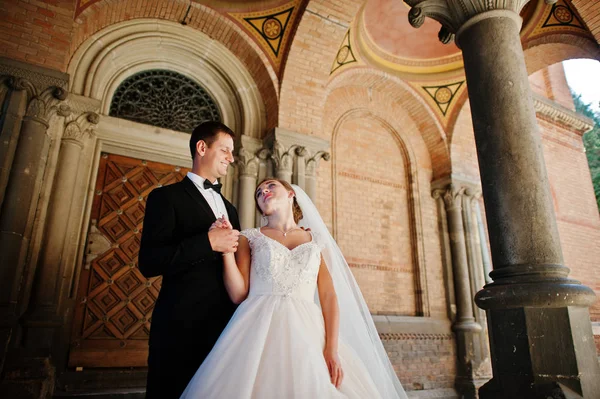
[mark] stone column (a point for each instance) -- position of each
(22, 191)
(13, 111)
(312, 165)
(53, 275)
(465, 327)
(540, 333)
(247, 164)
(248, 168)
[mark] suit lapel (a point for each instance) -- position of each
(192, 190)
(232, 212)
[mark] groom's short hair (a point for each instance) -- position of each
(208, 132)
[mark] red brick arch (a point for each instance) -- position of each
(550, 49)
(204, 19)
(389, 95)
(589, 10)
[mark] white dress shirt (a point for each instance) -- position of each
(214, 199)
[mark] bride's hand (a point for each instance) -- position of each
(335, 367)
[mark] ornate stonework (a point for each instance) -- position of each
(79, 127)
(453, 14)
(247, 162)
(47, 103)
(550, 110)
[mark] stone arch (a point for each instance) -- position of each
(117, 52)
(215, 28)
(550, 49)
(416, 164)
(394, 91)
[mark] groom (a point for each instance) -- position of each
(193, 307)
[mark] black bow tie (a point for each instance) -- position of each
(216, 187)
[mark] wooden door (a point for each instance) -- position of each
(114, 301)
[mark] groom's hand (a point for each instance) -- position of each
(221, 223)
(223, 239)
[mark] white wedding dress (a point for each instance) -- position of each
(273, 345)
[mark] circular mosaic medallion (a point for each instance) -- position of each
(342, 54)
(272, 28)
(563, 14)
(443, 95)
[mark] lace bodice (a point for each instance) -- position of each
(277, 270)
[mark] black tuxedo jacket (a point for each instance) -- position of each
(193, 307)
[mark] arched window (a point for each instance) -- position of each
(165, 99)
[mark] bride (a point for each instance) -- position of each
(302, 329)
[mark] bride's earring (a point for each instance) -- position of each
(263, 220)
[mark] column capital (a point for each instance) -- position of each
(310, 145)
(313, 162)
(248, 155)
(47, 103)
(248, 162)
(79, 127)
(453, 14)
(453, 190)
(285, 145)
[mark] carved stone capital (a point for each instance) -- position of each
(283, 158)
(79, 127)
(452, 195)
(453, 14)
(455, 190)
(284, 147)
(247, 162)
(47, 103)
(313, 162)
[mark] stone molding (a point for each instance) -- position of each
(39, 77)
(421, 337)
(46, 88)
(552, 111)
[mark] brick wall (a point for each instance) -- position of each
(315, 46)
(382, 166)
(575, 205)
(37, 32)
(551, 83)
(422, 361)
(373, 227)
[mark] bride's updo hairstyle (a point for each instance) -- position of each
(297, 212)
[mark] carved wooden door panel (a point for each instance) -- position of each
(114, 301)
